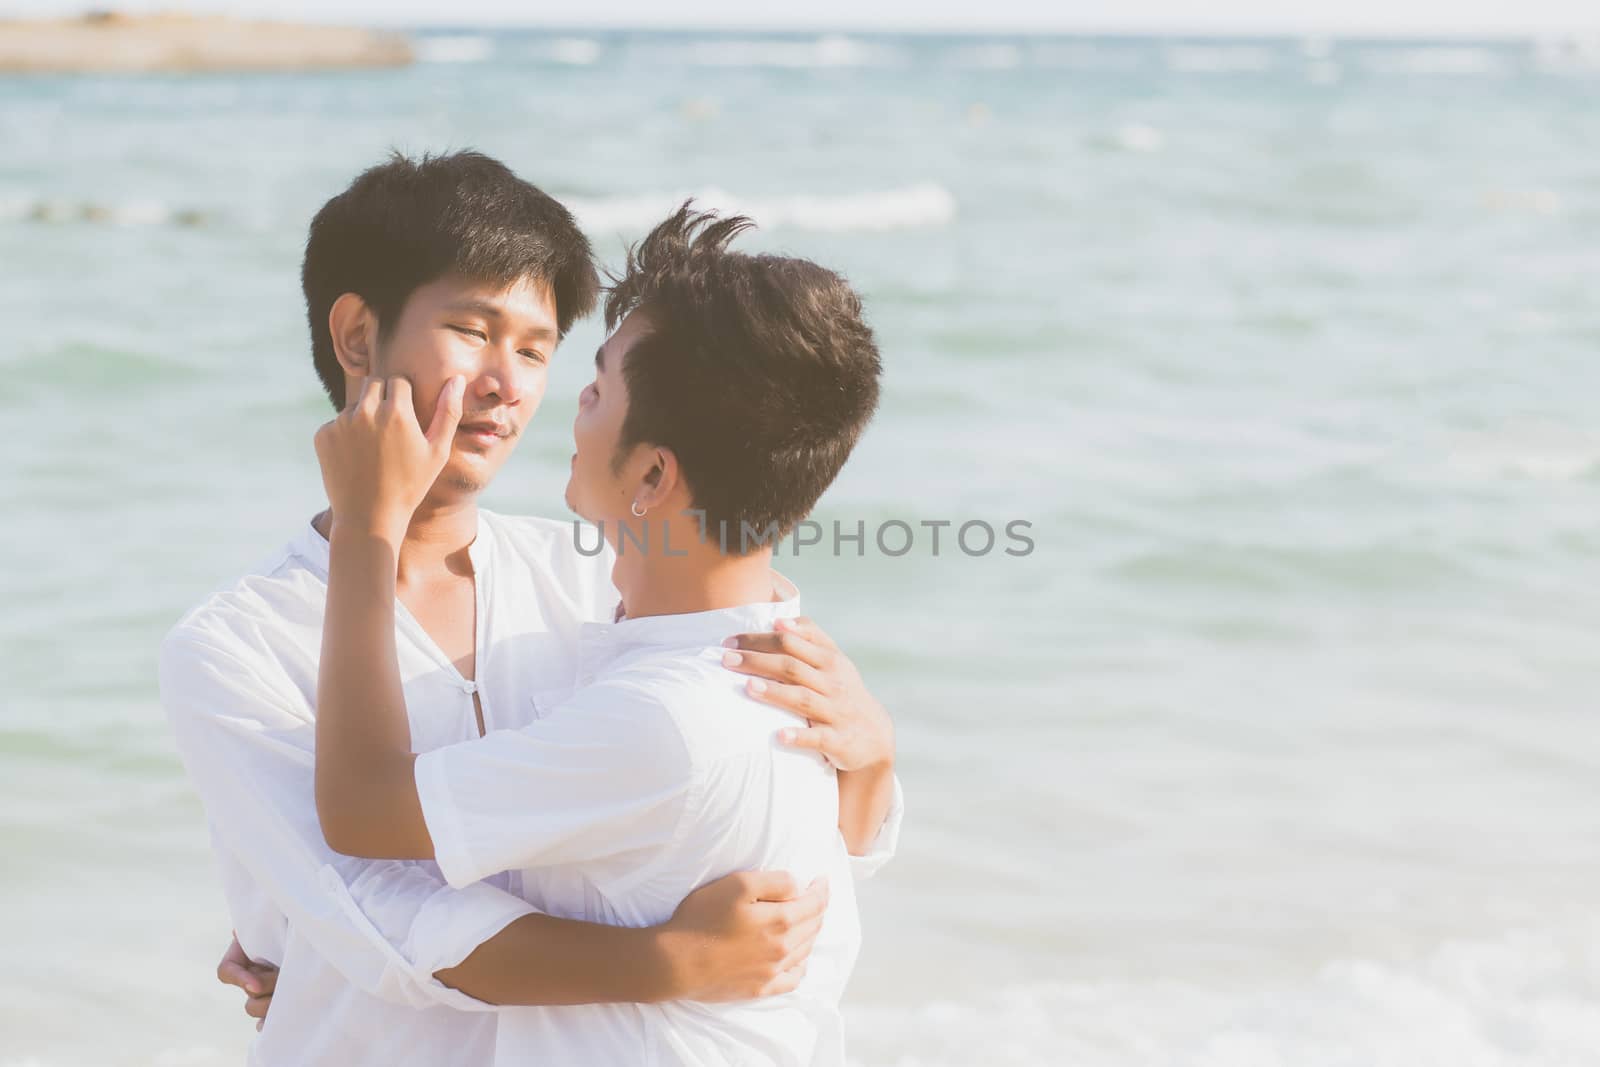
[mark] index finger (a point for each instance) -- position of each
(787, 643)
(352, 396)
(810, 904)
(807, 628)
(397, 393)
(239, 975)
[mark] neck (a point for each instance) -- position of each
(436, 541)
(703, 579)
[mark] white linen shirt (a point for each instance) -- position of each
(657, 775)
(358, 940)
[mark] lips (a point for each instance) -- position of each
(489, 429)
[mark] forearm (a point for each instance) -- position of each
(365, 790)
(865, 796)
(543, 960)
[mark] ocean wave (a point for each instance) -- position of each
(1435, 60)
(1220, 58)
(1537, 452)
(909, 207)
(455, 48)
(571, 51)
(1137, 137)
(1522, 998)
(828, 51)
(1568, 55)
(988, 56)
(1087, 56)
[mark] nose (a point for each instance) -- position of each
(498, 382)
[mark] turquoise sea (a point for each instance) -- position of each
(1282, 746)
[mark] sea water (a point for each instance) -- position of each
(1279, 747)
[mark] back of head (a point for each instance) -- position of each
(407, 222)
(757, 371)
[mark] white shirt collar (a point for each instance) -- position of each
(603, 641)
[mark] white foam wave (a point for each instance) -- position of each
(455, 48)
(1137, 137)
(1540, 452)
(908, 207)
(572, 51)
(1534, 201)
(989, 57)
(1525, 998)
(1220, 59)
(1572, 55)
(1435, 59)
(1085, 56)
(828, 51)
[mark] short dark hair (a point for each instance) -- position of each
(407, 222)
(757, 371)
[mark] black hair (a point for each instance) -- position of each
(407, 222)
(757, 371)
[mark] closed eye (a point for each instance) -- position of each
(537, 357)
(470, 332)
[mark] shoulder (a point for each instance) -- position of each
(652, 697)
(689, 695)
(566, 553)
(258, 623)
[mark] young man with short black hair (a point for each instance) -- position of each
(731, 391)
(438, 269)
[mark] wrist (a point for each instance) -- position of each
(667, 964)
(386, 528)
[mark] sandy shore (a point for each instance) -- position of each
(148, 43)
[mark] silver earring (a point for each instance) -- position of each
(638, 512)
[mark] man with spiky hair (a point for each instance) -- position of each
(441, 270)
(731, 391)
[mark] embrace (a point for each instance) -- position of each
(477, 796)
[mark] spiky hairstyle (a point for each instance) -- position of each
(757, 371)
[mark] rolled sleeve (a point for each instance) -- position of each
(419, 939)
(245, 735)
(439, 812)
(887, 841)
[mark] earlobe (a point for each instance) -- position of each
(354, 330)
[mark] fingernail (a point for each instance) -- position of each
(757, 685)
(731, 659)
(781, 624)
(732, 642)
(786, 737)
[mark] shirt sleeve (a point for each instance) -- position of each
(602, 775)
(886, 843)
(246, 737)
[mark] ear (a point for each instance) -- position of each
(660, 478)
(354, 327)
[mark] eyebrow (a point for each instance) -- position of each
(493, 311)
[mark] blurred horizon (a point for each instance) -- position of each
(1417, 19)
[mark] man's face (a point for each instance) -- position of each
(598, 490)
(500, 340)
